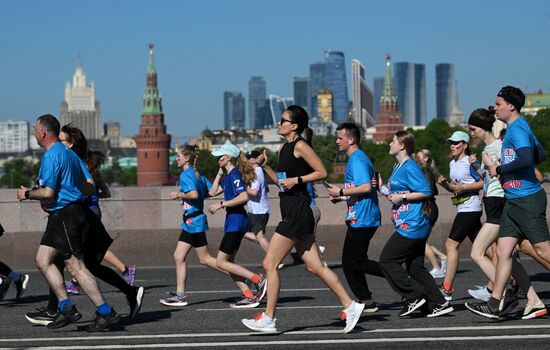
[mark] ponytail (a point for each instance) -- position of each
(246, 169)
(193, 152)
(308, 135)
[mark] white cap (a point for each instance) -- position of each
(227, 149)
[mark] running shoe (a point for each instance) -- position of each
(352, 314)
(72, 287)
(483, 309)
(41, 316)
(370, 306)
(447, 294)
(508, 305)
(101, 322)
(322, 254)
(411, 306)
(5, 286)
(444, 265)
(534, 310)
(245, 303)
(130, 274)
(437, 273)
(21, 285)
(68, 315)
(441, 309)
(261, 288)
(481, 293)
(280, 266)
(175, 300)
(134, 300)
(261, 323)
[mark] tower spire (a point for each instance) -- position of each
(389, 92)
(151, 66)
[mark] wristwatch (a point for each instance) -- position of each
(341, 192)
(405, 201)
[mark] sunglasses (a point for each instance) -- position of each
(283, 120)
(454, 143)
(220, 158)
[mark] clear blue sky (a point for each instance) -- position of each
(204, 48)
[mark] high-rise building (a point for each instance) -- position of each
(152, 142)
(316, 84)
(336, 82)
(445, 90)
(14, 136)
(410, 86)
(80, 108)
(389, 119)
(301, 92)
(233, 110)
(378, 91)
(257, 96)
(112, 134)
(277, 106)
(362, 96)
(325, 109)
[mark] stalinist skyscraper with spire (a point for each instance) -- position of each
(152, 142)
(80, 108)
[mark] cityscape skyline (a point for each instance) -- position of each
(197, 64)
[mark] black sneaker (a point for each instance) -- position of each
(411, 306)
(134, 300)
(441, 309)
(483, 309)
(68, 315)
(41, 316)
(370, 306)
(101, 322)
(21, 285)
(5, 286)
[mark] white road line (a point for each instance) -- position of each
(301, 342)
(282, 308)
(241, 334)
(235, 291)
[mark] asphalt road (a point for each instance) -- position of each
(307, 315)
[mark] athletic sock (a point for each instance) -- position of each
(104, 309)
(125, 269)
(180, 294)
(63, 303)
(447, 286)
(489, 290)
(248, 294)
(256, 278)
(15, 276)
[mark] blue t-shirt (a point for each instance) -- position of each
(311, 192)
(61, 171)
(408, 218)
(522, 182)
(188, 183)
(363, 210)
(236, 219)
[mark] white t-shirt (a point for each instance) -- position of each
(461, 173)
(491, 185)
(258, 204)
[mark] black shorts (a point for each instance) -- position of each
(231, 242)
(297, 217)
(257, 222)
(525, 217)
(196, 240)
(466, 224)
(493, 209)
(66, 230)
(97, 240)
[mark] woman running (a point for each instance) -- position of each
(193, 190)
(408, 190)
(298, 165)
(233, 187)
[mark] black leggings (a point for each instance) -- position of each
(5, 270)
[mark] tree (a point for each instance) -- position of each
(19, 172)
(540, 124)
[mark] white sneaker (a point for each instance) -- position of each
(480, 294)
(261, 323)
(444, 265)
(281, 265)
(352, 315)
(438, 273)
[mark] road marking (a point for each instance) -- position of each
(299, 342)
(240, 334)
(235, 291)
(282, 308)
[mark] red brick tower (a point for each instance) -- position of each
(152, 142)
(389, 119)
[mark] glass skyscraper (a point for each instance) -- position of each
(335, 81)
(410, 86)
(233, 110)
(301, 92)
(445, 90)
(277, 106)
(257, 96)
(362, 96)
(316, 84)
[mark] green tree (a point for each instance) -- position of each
(326, 148)
(19, 172)
(540, 124)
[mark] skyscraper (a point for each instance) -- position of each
(80, 108)
(336, 82)
(363, 98)
(378, 90)
(445, 90)
(14, 136)
(277, 106)
(410, 86)
(316, 84)
(301, 92)
(152, 142)
(325, 109)
(233, 110)
(256, 100)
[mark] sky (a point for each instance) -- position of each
(206, 47)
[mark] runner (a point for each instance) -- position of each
(7, 276)
(298, 165)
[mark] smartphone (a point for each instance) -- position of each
(327, 184)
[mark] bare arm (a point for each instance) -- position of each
(182, 195)
(37, 193)
(216, 189)
(103, 190)
(303, 150)
(334, 191)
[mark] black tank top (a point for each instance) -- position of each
(292, 166)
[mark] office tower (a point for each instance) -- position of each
(335, 81)
(301, 92)
(256, 100)
(456, 117)
(378, 85)
(112, 134)
(317, 83)
(152, 142)
(445, 90)
(410, 86)
(362, 96)
(325, 111)
(233, 110)
(277, 106)
(80, 108)
(14, 136)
